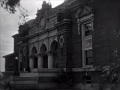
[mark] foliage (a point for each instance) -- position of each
(110, 74)
(12, 6)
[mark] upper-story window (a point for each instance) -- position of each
(88, 29)
(87, 42)
(86, 34)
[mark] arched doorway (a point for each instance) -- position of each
(35, 59)
(53, 50)
(43, 50)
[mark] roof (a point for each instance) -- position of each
(11, 54)
(15, 35)
(30, 22)
(62, 6)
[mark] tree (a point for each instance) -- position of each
(110, 76)
(12, 6)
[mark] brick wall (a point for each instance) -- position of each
(106, 22)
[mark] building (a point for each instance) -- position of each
(61, 47)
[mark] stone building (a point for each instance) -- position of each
(61, 47)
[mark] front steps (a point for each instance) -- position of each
(40, 79)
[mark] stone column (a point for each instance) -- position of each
(50, 60)
(31, 62)
(79, 23)
(40, 60)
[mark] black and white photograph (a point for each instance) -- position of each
(59, 44)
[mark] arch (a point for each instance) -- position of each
(33, 51)
(35, 58)
(54, 46)
(83, 10)
(43, 50)
(53, 49)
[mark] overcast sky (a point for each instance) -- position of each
(9, 25)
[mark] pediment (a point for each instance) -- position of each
(82, 11)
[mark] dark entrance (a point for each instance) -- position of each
(45, 61)
(35, 59)
(35, 62)
(43, 51)
(53, 49)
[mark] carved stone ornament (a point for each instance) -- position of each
(42, 22)
(61, 41)
(83, 10)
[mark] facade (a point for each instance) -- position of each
(62, 46)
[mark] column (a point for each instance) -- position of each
(50, 60)
(79, 23)
(40, 61)
(31, 63)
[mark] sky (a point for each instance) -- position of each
(9, 25)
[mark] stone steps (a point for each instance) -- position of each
(38, 74)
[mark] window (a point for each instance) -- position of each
(86, 31)
(87, 44)
(89, 57)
